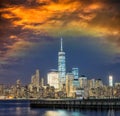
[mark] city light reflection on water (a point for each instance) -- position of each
(10, 109)
(27, 111)
(62, 113)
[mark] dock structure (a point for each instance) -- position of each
(76, 103)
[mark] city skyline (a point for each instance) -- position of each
(60, 50)
(90, 30)
(61, 84)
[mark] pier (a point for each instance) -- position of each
(76, 103)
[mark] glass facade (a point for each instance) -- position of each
(75, 72)
(61, 63)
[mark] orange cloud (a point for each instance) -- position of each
(69, 17)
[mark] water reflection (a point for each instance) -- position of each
(22, 108)
(18, 111)
(27, 111)
(111, 112)
(62, 113)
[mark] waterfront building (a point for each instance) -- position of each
(75, 72)
(83, 81)
(18, 83)
(69, 84)
(110, 80)
(61, 65)
(117, 84)
(18, 88)
(42, 82)
(117, 90)
(80, 93)
(76, 83)
(98, 83)
(32, 79)
(91, 83)
(92, 93)
(30, 87)
(53, 79)
(1, 89)
(35, 80)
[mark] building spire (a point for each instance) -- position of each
(61, 45)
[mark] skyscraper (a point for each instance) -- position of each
(35, 79)
(83, 81)
(61, 65)
(53, 79)
(75, 72)
(69, 84)
(110, 80)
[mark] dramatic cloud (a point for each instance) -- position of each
(23, 22)
(27, 25)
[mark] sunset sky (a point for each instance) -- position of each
(30, 32)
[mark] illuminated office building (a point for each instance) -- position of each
(61, 65)
(98, 83)
(35, 80)
(110, 81)
(91, 83)
(69, 84)
(53, 79)
(75, 72)
(83, 81)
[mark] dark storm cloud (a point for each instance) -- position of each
(30, 36)
(109, 15)
(26, 3)
(19, 26)
(8, 3)
(6, 30)
(46, 2)
(11, 34)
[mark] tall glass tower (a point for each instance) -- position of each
(75, 72)
(61, 64)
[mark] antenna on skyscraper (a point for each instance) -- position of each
(61, 44)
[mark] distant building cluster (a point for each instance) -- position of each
(61, 84)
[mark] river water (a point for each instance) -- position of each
(21, 108)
